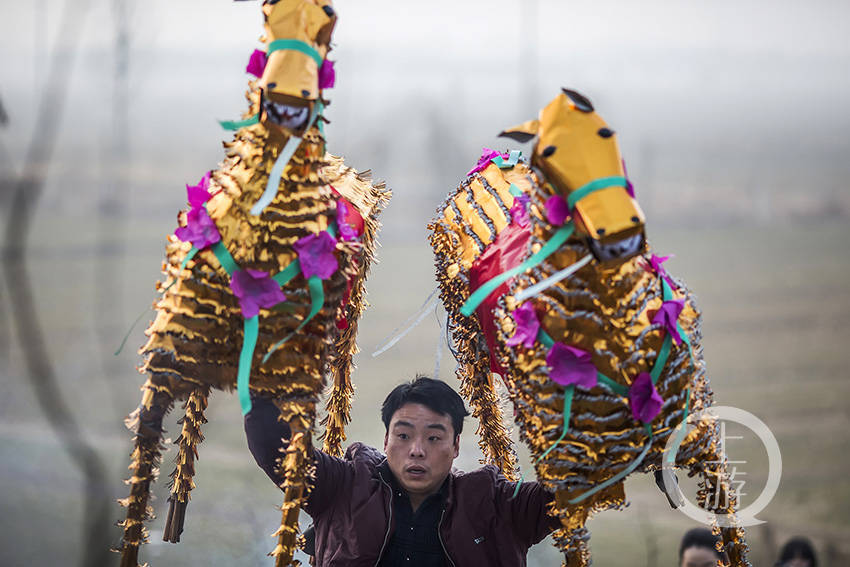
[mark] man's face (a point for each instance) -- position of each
(420, 447)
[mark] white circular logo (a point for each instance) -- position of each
(746, 516)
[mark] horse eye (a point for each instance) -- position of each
(605, 132)
(329, 11)
(548, 151)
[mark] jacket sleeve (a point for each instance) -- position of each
(527, 511)
(267, 439)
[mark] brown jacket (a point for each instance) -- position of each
(351, 506)
(481, 524)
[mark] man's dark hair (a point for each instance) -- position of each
(699, 537)
(798, 548)
(435, 395)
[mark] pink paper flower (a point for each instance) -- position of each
(571, 366)
(316, 255)
(656, 263)
(557, 210)
(486, 155)
(257, 63)
(519, 211)
(668, 315)
(255, 289)
(527, 326)
(644, 399)
(200, 229)
(199, 194)
(327, 75)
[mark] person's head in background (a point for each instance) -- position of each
(797, 552)
(699, 549)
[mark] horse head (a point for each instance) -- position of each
(297, 36)
(579, 158)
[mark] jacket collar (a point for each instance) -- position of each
(447, 488)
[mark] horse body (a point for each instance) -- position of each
(584, 427)
(206, 332)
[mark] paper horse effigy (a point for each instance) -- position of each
(548, 281)
(265, 278)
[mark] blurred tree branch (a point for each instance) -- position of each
(26, 190)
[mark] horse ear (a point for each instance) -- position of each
(522, 132)
(582, 102)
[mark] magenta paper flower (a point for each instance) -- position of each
(346, 231)
(255, 289)
(557, 210)
(199, 194)
(527, 326)
(668, 315)
(486, 155)
(327, 75)
(200, 229)
(257, 63)
(316, 255)
(656, 263)
(519, 211)
(571, 366)
(645, 400)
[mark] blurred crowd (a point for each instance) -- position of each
(699, 548)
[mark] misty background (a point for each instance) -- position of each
(732, 119)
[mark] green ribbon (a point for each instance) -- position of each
(288, 273)
(189, 256)
(237, 124)
(595, 185)
(249, 343)
(615, 387)
(514, 190)
(317, 300)
(680, 431)
(490, 285)
(224, 258)
(289, 149)
(512, 160)
(295, 45)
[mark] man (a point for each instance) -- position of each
(411, 508)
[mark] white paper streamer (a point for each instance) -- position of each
(417, 318)
(553, 279)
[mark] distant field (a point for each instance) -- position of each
(776, 304)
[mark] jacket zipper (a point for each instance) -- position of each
(390, 519)
(440, 537)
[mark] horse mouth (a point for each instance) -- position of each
(621, 250)
(290, 116)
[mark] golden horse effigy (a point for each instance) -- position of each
(548, 281)
(265, 279)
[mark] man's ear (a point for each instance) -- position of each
(457, 445)
(522, 132)
(386, 439)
